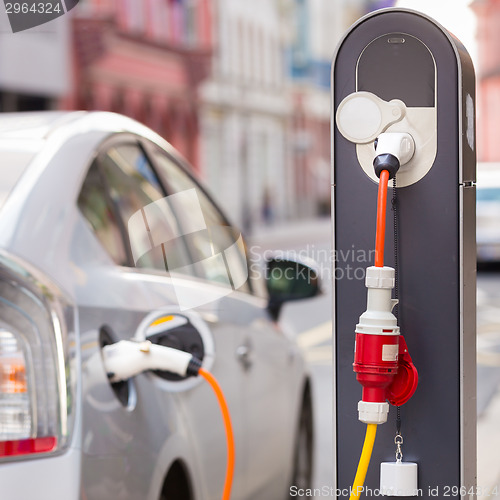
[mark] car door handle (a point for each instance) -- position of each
(244, 355)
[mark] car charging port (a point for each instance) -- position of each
(177, 332)
(126, 359)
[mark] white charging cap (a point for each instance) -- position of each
(399, 479)
(362, 116)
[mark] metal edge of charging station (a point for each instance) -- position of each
(436, 268)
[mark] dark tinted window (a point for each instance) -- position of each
(96, 208)
(151, 224)
(216, 248)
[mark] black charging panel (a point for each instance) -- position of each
(431, 260)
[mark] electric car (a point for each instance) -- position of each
(488, 212)
(101, 225)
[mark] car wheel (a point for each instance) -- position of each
(303, 452)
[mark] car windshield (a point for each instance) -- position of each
(15, 156)
(489, 194)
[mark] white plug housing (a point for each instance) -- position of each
(399, 479)
(378, 318)
(126, 358)
(372, 413)
(398, 144)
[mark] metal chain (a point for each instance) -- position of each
(398, 420)
(398, 440)
(396, 289)
(394, 202)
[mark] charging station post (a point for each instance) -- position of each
(397, 71)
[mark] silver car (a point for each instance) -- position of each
(83, 261)
(488, 212)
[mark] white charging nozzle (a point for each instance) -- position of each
(378, 317)
(398, 144)
(126, 358)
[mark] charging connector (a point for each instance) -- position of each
(126, 359)
(393, 150)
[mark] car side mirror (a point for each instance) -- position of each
(288, 280)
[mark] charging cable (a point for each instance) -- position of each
(381, 217)
(126, 358)
(392, 151)
(371, 429)
(364, 461)
(229, 431)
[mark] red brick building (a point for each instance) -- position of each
(488, 79)
(144, 59)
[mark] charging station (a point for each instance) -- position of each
(397, 71)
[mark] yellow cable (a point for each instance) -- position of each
(364, 461)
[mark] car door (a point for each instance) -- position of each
(269, 364)
(125, 446)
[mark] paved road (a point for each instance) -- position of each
(311, 320)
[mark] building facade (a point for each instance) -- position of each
(145, 60)
(246, 112)
(314, 29)
(34, 65)
(488, 78)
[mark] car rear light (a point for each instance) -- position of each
(15, 408)
(37, 363)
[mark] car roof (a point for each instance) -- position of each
(488, 175)
(35, 126)
(41, 125)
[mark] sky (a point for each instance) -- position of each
(454, 15)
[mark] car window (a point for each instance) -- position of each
(96, 208)
(216, 248)
(151, 225)
(489, 194)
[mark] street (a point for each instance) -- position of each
(311, 321)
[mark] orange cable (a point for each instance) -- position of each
(381, 211)
(229, 431)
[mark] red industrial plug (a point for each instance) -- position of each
(382, 363)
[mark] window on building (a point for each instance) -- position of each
(240, 56)
(260, 55)
(134, 15)
(300, 46)
(252, 53)
(177, 21)
(160, 19)
(12, 101)
(191, 22)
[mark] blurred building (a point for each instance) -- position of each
(241, 88)
(246, 113)
(488, 78)
(144, 59)
(314, 29)
(33, 66)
